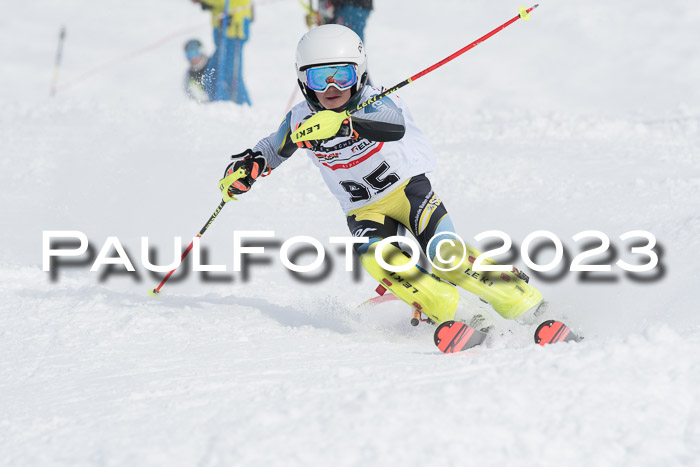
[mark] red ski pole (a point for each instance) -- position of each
(327, 125)
(524, 13)
(156, 291)
(223, 185)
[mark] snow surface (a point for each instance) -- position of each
(585, 118)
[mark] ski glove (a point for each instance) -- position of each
(328, 124)
(255, 166)
(346, 129)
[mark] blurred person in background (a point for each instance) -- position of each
(229, 46)
(350, 13)
(199, 80)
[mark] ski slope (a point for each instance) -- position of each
(587, 117)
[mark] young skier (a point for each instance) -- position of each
(199, 80)
(375, 165)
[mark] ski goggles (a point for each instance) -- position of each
(341, 76)
(192, 52)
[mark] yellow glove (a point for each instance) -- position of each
(322, 125)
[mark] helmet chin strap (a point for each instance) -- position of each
(362, 81)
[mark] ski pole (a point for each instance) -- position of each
(57, 65)
(327, 124)
(225, 182)
(312, 16)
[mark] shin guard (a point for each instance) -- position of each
(509, 295)
(426, 293)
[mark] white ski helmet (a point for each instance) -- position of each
(330, 44)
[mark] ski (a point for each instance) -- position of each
(386, 297)
(551, 332)
(453, 336)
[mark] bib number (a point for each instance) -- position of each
(376, 180)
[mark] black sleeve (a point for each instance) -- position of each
(378, 131)
(382, 121)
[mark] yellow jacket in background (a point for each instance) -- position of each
(240, 10)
